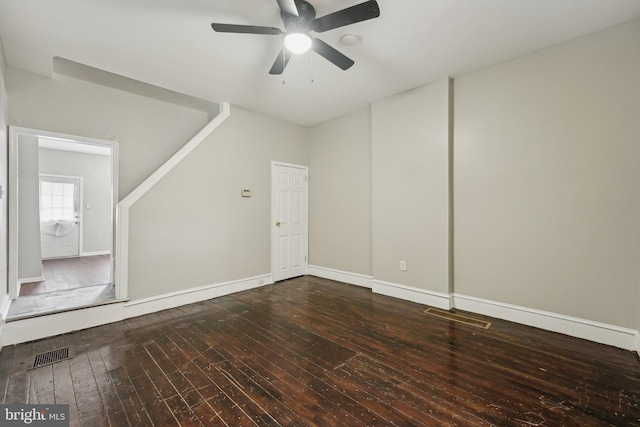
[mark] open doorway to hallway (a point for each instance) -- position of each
(61, 221)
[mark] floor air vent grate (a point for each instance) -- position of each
(50, 357)
(458, 318)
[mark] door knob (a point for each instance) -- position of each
(277, 223)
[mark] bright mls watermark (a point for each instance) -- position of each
(34, 415)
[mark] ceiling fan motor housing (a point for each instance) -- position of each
(302, 22)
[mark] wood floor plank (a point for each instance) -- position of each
(201, 372)
(327, 371)
(156, 408)
(233, 390)
(314, 396)
(86, 390)
(41, 386)
(305, 360)
(315, 352)
(63, 389)
(111, 403)
(6, 362)
(134, 409)
(17, 389)
(203, 409)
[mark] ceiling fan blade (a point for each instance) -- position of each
(245, 29)
(351, 15)
(288, 7)
(332, 55)
(281, 61)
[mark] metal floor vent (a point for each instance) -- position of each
(50, 357)
(458, 318)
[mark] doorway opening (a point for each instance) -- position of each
(63, 193)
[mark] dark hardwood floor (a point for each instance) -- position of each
(70, 273)
(310, 351)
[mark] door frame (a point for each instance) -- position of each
(80, 205)
(274, 247)
(14, 135)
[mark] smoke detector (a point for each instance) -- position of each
(350, 39)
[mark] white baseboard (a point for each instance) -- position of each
(4, 307)
(4, 311)
(30, 280)
(189, 296)
(60, 323)
(94, 253)
(603, 333)
(36, 328)
(340, 276)
(410, 293)
(617, 336)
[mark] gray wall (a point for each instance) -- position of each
(547, 175)
(29, 246)
(4, 121)
(546, 160)
(340, 193)
(193, 228)
(410, 145)
(148, 131)
(96, 173)
(379, 190)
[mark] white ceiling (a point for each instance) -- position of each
(170, 44)
(77, 147)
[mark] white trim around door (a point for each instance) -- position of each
(15, 134)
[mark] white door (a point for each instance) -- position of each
(289, 221)
(59, 216)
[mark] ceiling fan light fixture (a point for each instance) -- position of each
(297, 42)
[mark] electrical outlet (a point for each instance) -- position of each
(403, 265)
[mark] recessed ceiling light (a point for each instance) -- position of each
(350, 39)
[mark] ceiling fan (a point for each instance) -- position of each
(299, 19)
